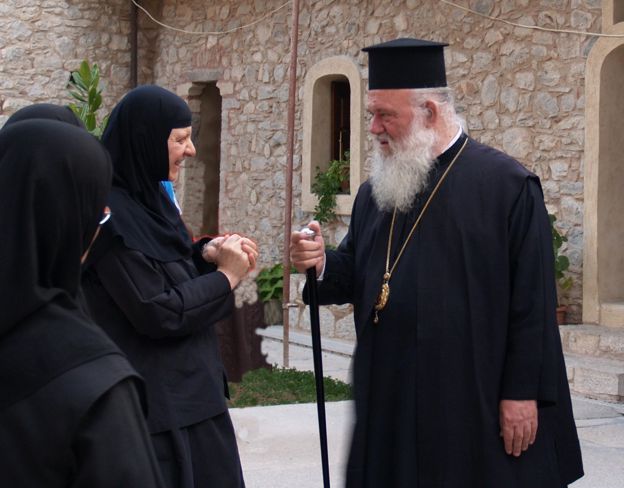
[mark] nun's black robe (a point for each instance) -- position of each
(147, 286)
(470, 321)
(70, 413)
(162, 314)
(82, 427)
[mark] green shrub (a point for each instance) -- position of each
(84, 87)
(270, 283)
(326, 185)
(562, 262)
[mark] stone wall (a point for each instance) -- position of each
(42, 41)
(519, 90)
(335, 320)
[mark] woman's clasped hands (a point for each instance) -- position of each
(234, 255)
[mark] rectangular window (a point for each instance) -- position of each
(340, 116)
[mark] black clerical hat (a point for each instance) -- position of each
(406, 63)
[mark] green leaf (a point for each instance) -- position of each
(97, 102)
(566, 283)
(84, 111)
(78, 96)
(90, 122)
(95, 72)
(85, 72)
(270, 282)
(79, 81)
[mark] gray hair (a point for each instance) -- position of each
(444, 97)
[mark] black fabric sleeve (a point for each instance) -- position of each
(112, 446)
(337, 284)
(530, 371)
(156, 308)
(202, 266)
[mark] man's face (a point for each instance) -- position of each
(180, 146)
(392, 116)
(403, 149)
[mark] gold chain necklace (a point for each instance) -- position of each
(384, 294)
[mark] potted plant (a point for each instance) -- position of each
(562, 263)
(327, 184)
(270, 283)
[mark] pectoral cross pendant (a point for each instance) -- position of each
(383, 297)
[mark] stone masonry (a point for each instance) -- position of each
(519, 90)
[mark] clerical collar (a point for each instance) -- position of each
(453, 140)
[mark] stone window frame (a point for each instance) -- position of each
(316, 127)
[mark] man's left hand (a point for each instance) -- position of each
(518, 424)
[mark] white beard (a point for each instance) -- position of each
(399, 176)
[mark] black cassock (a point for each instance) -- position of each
(470, 321)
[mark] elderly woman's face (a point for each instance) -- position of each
(180, 146)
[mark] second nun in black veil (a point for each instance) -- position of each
(155, 295)
(48, 111)
(70, 412)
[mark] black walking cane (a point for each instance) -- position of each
(315, 327)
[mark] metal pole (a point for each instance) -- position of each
(290, 144)
(134, 45)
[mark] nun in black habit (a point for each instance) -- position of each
(158, 299)
(454, 301)
(70, 411)
(48, 111)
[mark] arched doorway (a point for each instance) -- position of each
(200, 185)
(603, 264)
(209, 150)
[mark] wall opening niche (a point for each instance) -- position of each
(332, 126)
(199, 185)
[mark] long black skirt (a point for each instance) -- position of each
(202, 455)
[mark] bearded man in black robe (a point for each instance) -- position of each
(459, 376)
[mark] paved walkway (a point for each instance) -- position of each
(279, 445)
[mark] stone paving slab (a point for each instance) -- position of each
(280, 448)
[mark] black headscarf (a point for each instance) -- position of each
(136, 137)
(54, 179)
(45, 111)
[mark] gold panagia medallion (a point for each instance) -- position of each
(382, 298)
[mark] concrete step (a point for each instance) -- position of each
(596, 377)
(593, 340)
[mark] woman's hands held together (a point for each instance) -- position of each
(234, 255)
